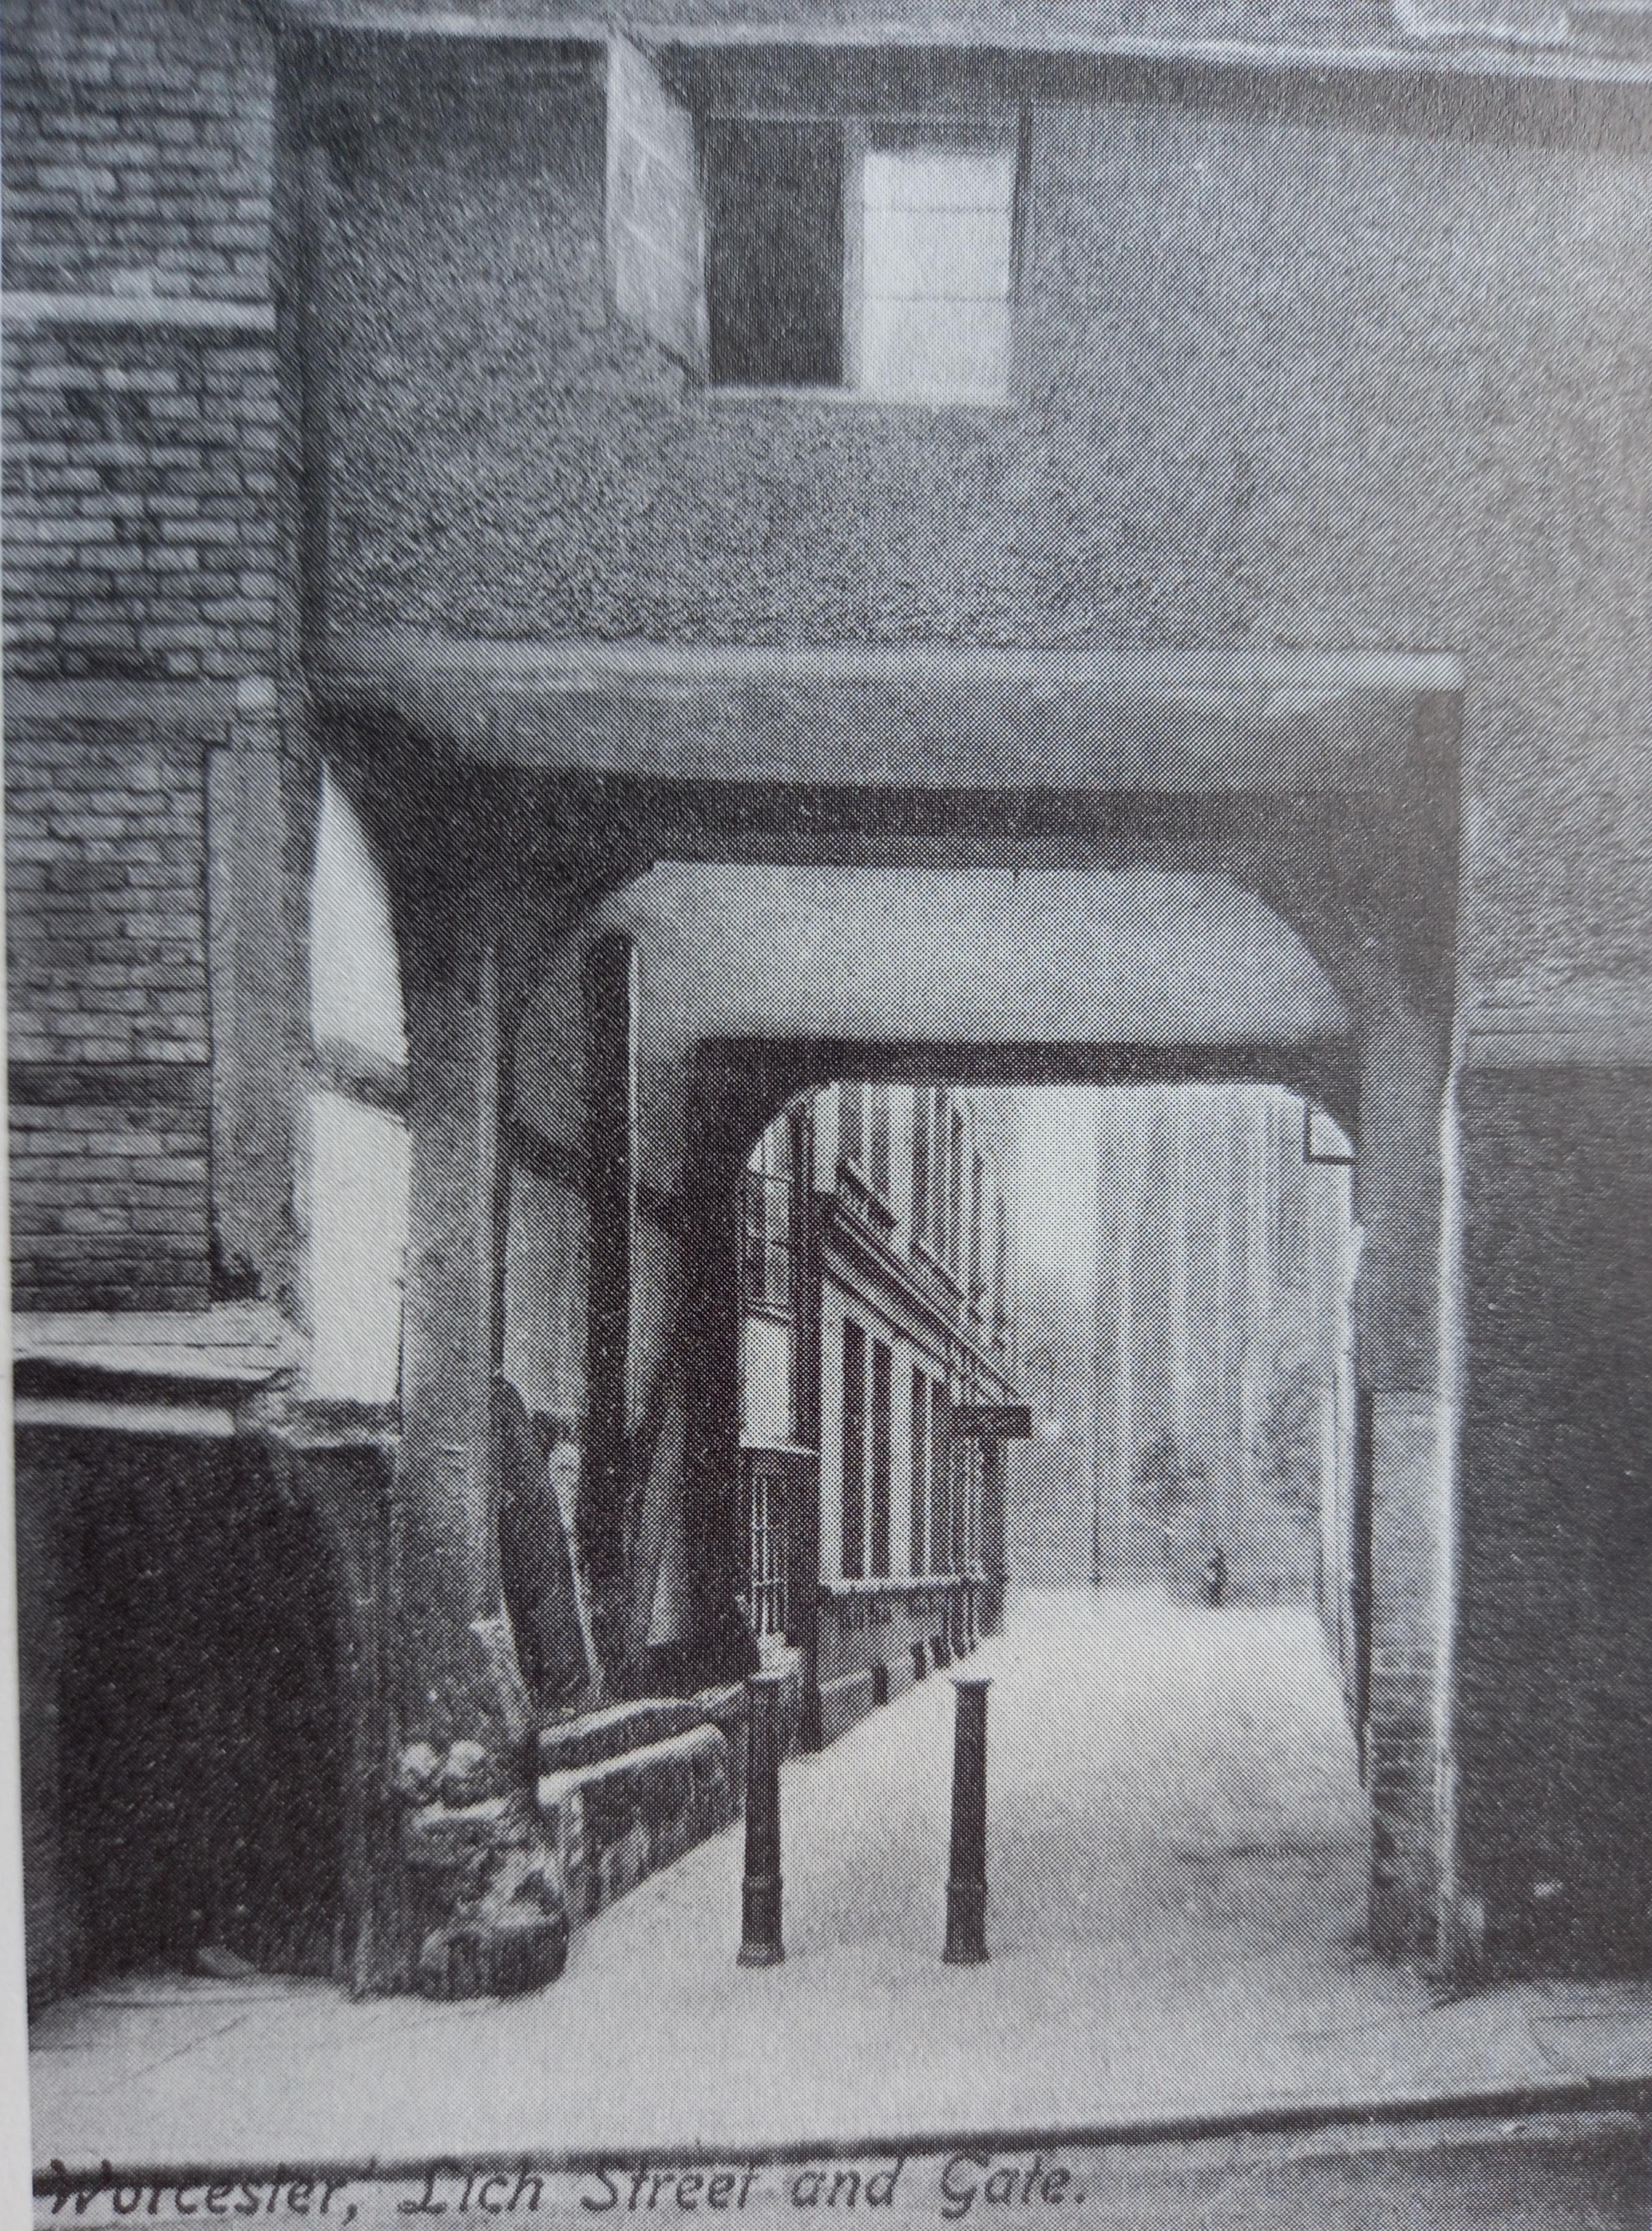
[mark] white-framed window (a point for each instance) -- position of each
(769, 1238)
(930, 263)
(875, 256)
(767, 1552)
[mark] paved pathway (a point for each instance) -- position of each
(1175, 1907)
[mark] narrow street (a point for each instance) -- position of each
(1174, 1918)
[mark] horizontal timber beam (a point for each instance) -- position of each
(762, 1074)
(924, 717)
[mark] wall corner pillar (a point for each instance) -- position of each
(1401, 1178)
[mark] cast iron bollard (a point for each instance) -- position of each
(966, 1890)
(760, 1944)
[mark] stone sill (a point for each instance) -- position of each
(853, 398)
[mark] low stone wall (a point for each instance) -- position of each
(613, 1822)
(594, 1738)
(620, 1794)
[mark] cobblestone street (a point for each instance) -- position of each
(1176, 1860)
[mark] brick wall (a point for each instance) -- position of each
(141, 535)
(108, 1016)
(138, 149)
(144, 601)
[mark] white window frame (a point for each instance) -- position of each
(975, 131)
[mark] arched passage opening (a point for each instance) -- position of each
(753, 987)
(620, 1033)
(1175, 1677)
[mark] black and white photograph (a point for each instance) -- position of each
(828, 900)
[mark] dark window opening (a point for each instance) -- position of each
(938, 1184)
(875, 257)
(962, 1470)
(854, 1452)
(775, 270)
(880, 1458)
(940, 1504)
(955, 1193)
(920, 1468)
(978, 1186)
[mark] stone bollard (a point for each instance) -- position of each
(967, 1888)
(760, 1940)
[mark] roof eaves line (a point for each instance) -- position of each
(1419, 60)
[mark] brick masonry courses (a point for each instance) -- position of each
(138, 150)
(142, 535)
(110, 1089)
(148, 604)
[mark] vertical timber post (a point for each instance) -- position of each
(966, 1885)
(611, 1020)
(447, 1553)
(486, 1915)
(761, 1944)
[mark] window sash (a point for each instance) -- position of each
(854, 1452)
(883, 1392)
(930, 254)
(767, 1552)
(769, 1255)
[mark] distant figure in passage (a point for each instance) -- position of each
(1215, 1577)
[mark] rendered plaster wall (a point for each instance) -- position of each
(1295, 368)
(355, 1197)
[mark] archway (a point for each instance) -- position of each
(1216, 985)
(1328, 794)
